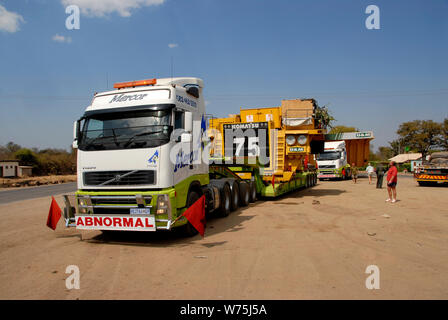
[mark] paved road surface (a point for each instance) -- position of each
(8, 196)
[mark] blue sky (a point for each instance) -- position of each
(249, 53)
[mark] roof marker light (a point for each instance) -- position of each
(148, 82)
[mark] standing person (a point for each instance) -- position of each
(379, 176)
(370, 171)
(354, 172)
(392, 182)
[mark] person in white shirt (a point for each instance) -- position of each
(370, 170)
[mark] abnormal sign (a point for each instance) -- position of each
(129, 223)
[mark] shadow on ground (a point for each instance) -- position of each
(232, 223)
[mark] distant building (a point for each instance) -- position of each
(415, 164)
(406, 157)
(12, 169)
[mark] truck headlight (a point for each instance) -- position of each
(302, 139)
(290, 140)
(82, 203)
(163, 204)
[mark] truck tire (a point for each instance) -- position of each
(235, 196)
(427, 183)
(253, 191)
(188, 230)
(226, 197)
(244, 194)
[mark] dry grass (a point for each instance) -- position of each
(35, 181)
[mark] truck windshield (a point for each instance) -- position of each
(126, 130)
(330, 155)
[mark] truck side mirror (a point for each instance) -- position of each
(194, 91)
(188, 121)
(75, 134)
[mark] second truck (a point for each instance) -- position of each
(341, 151)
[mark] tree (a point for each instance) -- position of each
(396, 146)
(27, 157)
(340, 129)
(324, 117)
(372, 155)
(12, 147)
(444, 139)
(420, 135)
(385, 153)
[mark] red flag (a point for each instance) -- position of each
(196, 215)
(54, 215)
(273, 181)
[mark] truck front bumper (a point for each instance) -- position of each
(121, 210)
(329, 174)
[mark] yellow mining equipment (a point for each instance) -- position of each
(295, 133)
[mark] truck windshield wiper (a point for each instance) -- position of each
(92, 142)
(139, 135)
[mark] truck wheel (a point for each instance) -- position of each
(253, 191)
(188, 229)
(427, 183)
(235, 196)
(244, 194)
(226, 197)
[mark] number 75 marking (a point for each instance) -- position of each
(253, 149)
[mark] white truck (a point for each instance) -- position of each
(141, 160)
(333, 162)
(340, 151)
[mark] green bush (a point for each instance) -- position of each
(44, 162)
(403, 166)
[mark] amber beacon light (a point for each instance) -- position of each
(148, 82)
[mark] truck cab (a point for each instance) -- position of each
(332, 163)
(140, 153)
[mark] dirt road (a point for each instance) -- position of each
(313, 244)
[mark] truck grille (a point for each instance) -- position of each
(119, 178)
(327, 166)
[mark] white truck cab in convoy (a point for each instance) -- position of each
(333, 162)
(140, 158)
